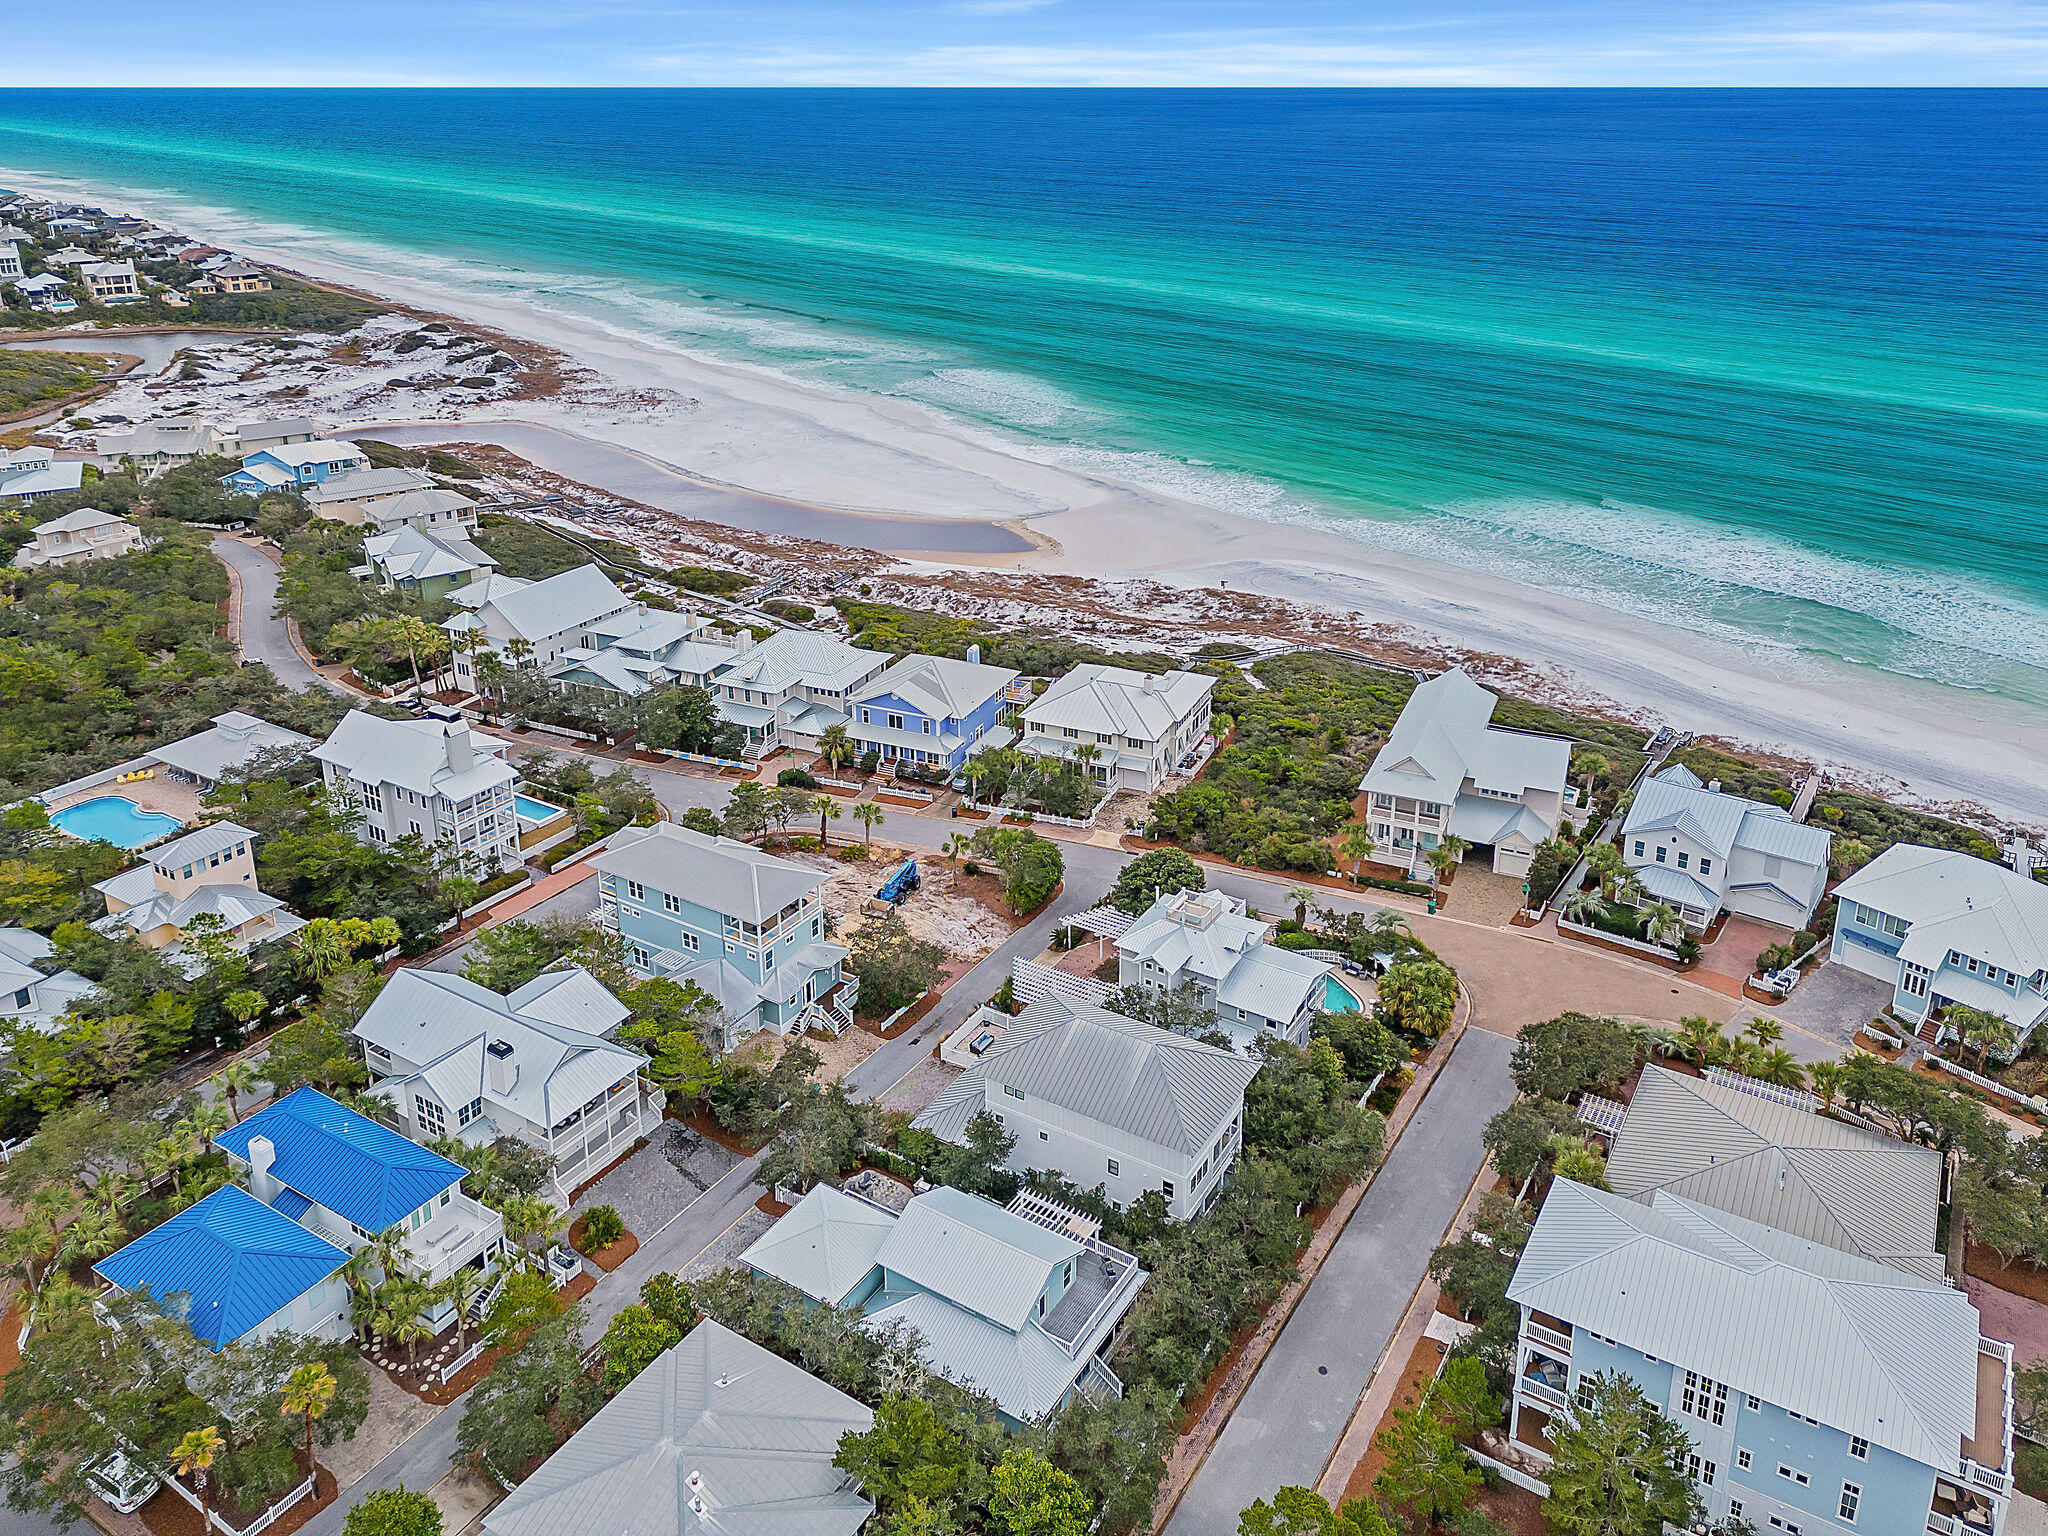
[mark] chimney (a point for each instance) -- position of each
(1151, 682)
(461, 755)
(1713, 786)
(974, 654)
(262, 1153)
(503, 1070)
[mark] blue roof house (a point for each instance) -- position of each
(348, 1178)
(237, 1269)
(930, 711)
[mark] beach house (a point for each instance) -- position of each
(928, 711)
(234, 1269)
(292, 465)
(433, 779)
(638, 652)
(202, 882)
(1704, 852)
(716, 1437)
(48, 292)
(456, 1059)
(1945, 928)
(236, 740)
(346, 498)
(349, 1179)
(110, 282)
(151, 447)
(1823, 1394)
(430, 565)
(1020, 1303)
(257, 436)
(1211, 941)
(76, 537)
(747, 927)
(1446, 771)
(1106, 1102)
(10, 259)
(28, 995)
(792, 688)
(241, 277)
(531, 623)
(29, 474)
(1142, 725)
(438, 510)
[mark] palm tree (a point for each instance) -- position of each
(409, 1332)
(1088, 755)
(835, 747)
(1442, 859)
(92, 1234)
(490, 672)
(519, 648)
(460, 1288)
(1659, 919)
(1356, 844)
(193, 1455)
(1583, 906)
(530, 1216)
(1778, 1065)
(958, 846)
(308, 1391)
(62, 1300)
(1301, 896)
(232, 1081)
(1764, 1031)
(33, 1241)
(828, 811)
(1700, 1040)
(1608, 866)
(1826, 1078)
(168, 1157)
(869, 815)
(243, 1005)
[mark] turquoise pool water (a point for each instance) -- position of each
(111, 819)
(533, 810)
(1338, 998)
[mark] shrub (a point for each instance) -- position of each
(394, 1512)
(602, 1226)
(795, 778)
(970, 867)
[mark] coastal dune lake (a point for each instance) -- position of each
(1768, 366)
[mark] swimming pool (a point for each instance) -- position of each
(111, 819)
(1339, 998)
(535, 811)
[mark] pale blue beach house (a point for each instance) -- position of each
(295, 464)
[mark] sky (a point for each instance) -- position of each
(1038, 43)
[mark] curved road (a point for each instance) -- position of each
(264, 637)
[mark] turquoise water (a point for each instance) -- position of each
(533, 810)
(1338, 998)
(1761, 364)
(111, 819)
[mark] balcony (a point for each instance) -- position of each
(459, 1232)
(1544, 1382)
(1550, 1338)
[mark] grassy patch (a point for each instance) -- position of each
(1753, 781)
(1038, 653)
(1877, 826)
(28, 377)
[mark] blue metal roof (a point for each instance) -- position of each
(236, 1259)
(289, 1203)
(362, 1171)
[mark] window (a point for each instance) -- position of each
(1704, 1398)
(1794, 1476)
(637, 956)
(429, 1115)
(1682, 857)
(1852, 1498)
(1751, 1402)
(1115, 1167)
(469, 1112)
(635, 891)
(1042, 1136)
(671, 903)
(1639, 847)
(689, 942)
(1661, 851)
(1787, 1526)
(1015, 1093)
(1859, 1448)
(1706, 865)
(1700, 1471)
(1166, 1188)
(1735, 1509)
(1741, 1459)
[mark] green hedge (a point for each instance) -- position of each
(1394, 883)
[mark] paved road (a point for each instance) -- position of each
(264, 637)
(1296, 1409)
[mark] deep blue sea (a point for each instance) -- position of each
(1768, 364)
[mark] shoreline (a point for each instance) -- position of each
(720, 442)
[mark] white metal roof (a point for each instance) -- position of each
(1862, 1348)
(82, 521)
(790, 658)
(1116, 701)
(728, 876)
(1956, 901)
(434, 501)
(939, 686)
(317, 451)
(565, 601)
(975, 1254)
(825, 1245)
(235, 740)
(1675, 800)
(428, 757)
(1442, 739)
(356, 484)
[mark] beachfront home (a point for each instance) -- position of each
(1106, 1102)
(29, 474)
(349, 1179)
(636, 653)
(1143, 724)
(1210, 940)
(433, 779)
(152, 447)
(429, 564)
(1705, 852)
(110, 282)
(1782, 1165)
(70, 257)
(204, 881)
(10, 260)
(532, 624)
(241, 277)
(28, 995)
(1020, 1303)
(930, 711)
(259, 436)
(235, 741)
(747, 927)
(434, 510)
(347, 498)
(1945, 928)
(235, 1268)
(1445, 771)
(291, 465)
(716, 1437)
(792, 687)
(1824, 1395)
(456, 1059)
(76, 537)
(48, 292)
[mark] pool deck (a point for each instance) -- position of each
(1362, 991)
(162, 793)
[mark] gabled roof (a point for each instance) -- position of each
(939, 686)
(414, 755)
(572, 998)
(825, 1245)
(1956, 901)
(235, 740)
(975, 1254)
(1675, 800)
(200, 844)
(316, 451)
(357, 483)
(283, 426)
(418, 555)
(565, 601)
(81, 521)
(728, 876)
(1785, 1168)
(234, 1258)
(755, 1433)
(1442, 739)
(1115, 701)
(362, 1171)
(1144, 1081)
(1862, 1348)
(800, 657)
(407, 505)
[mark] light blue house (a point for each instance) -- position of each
(286, 465)
(1822, 1393)
(1019, 1302)
(928, 710)
(747, 927)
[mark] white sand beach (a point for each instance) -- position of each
(829, 453)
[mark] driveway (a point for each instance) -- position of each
(264, 637)
(1298, 1405)
(1834, 1002)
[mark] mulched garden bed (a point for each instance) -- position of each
(903, 1025)
(606, 1259)
(768, 1205)
(711, 1130)
(1424, 1362)
(2021, 1277)
(168, 1515)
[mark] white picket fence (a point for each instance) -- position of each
(1031, 981)
(454, 1367)
(1638, 945)
(262, 1522)
(1757, 1088)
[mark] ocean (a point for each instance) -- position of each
(1765, 365)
